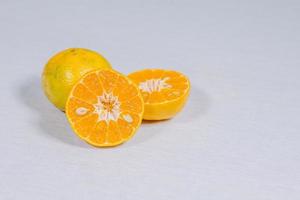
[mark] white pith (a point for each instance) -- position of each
(107, 108)
(154, 85)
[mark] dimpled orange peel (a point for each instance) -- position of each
(65, 68)
(105, 108)
(165, 92)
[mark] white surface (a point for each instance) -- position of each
(238, 137)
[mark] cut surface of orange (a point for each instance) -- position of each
(105, 108)
(164, 92)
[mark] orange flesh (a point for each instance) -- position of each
(105, 108)
(164, 92)
(177, 82)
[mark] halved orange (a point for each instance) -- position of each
(164, 92)
(105, 108)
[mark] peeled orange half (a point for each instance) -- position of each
(105, 108)
(165, 92)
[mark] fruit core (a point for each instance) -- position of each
(107, 108)
(154, 85)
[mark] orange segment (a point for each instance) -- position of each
(82, 92)
(124, 129)
(98, 133)
(113, 134)
(131, 105)
(93, 84)
(173, 94)
(123, 89)
(105, 108)
(78, 109)
(164, 92)
(108, 79)
(130, 118)
(156, 97)
(85, 125)
(147, 74)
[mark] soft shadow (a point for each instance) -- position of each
(198, 105)
(51, 121)
(148, 131)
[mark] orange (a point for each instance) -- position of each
(105, 108)
(65, 68)
(165, 92)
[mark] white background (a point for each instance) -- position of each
(237, 138)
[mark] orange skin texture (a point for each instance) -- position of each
(65, 68)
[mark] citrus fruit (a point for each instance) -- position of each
(165, 92)
(65, 68)
(105, 108)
